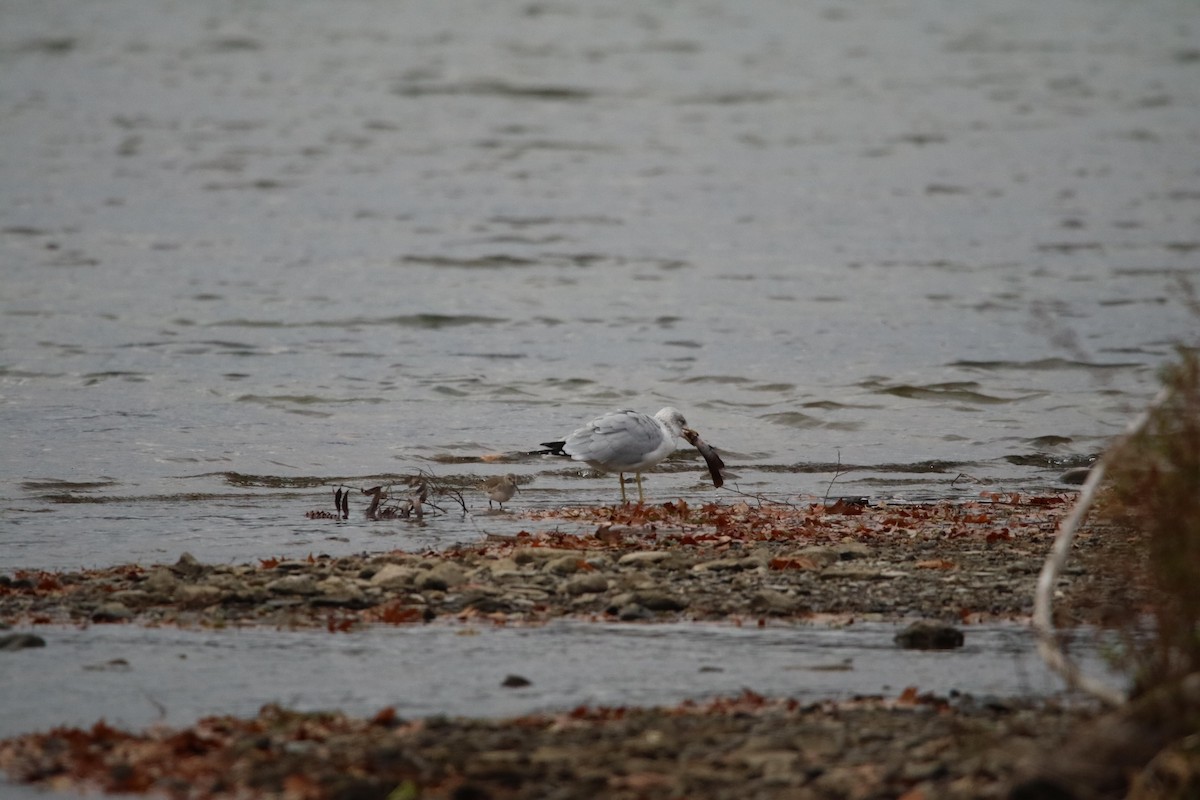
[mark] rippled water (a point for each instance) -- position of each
(253, 250)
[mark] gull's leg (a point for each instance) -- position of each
(621, 478)
(641, 497)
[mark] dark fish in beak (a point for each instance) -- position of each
(715, 464)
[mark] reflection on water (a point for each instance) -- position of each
(920, 251)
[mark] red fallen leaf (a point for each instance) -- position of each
(1001, 535)
(845, 508)
(792, 562)
(385, 718)
(268, 563)
(49, 583)
(1047, 501)
(909, 696)
(396, 614)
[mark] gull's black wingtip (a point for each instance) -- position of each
(552, 449)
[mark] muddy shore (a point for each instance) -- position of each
(955, 562)
(958, 563)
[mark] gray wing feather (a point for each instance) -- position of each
(617, 442)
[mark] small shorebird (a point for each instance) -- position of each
(500, 489)
(629, 441)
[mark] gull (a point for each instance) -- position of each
(500, 488)
(629, 441)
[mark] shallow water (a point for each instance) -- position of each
(134, 677)
(937, 244)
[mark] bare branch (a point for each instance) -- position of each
(1043, 623)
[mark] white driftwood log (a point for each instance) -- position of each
(1043, 622)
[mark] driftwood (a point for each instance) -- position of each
(1043, 623)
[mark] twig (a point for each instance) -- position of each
(758, 496)
(1043, 623)
(963, 475)
(837, 472)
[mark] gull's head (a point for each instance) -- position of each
(673, 419)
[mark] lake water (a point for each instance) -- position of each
(249, 251)
(133, 677)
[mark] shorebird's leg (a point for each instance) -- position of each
(641, 497)
(621, 478)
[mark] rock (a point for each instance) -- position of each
(587, 584)
(132, 597)
(776, 766)
(496, 568)
(659, 601)
(112, 612)
(161, 581)
(848, 549)
(632, 612)
(302, 585)
(112, 665)
(20, 641)
(395, 576)
(487, 602)
(338, 591)
(929, 635)
(293, 566)
(443, 576)
(769, 601)
(563, 565)
(643, 557)
(726, 564)
(190, 596)
(188, 567)
(515, 682)
(852, 573)
(527, 555)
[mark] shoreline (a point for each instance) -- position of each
(959, 563)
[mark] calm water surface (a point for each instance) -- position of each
(134, 677)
